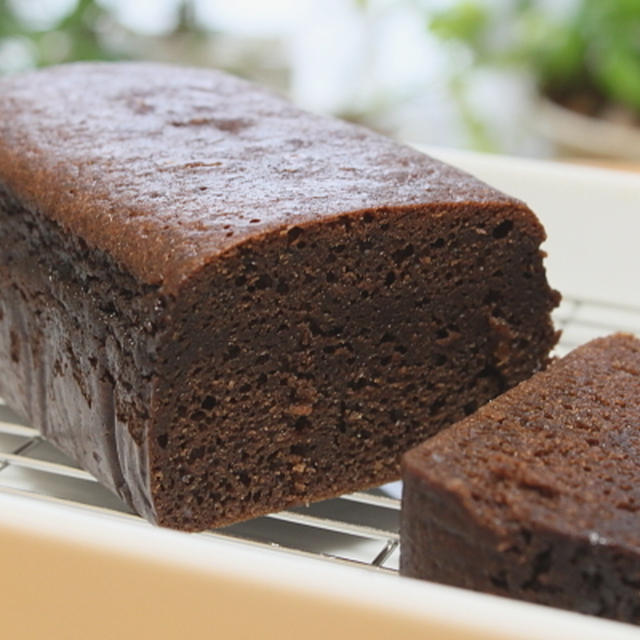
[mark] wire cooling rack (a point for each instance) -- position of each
(358, 528)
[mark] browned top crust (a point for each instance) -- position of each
(560, 452)
(164, 167)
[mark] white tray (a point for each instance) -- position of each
(76, 564)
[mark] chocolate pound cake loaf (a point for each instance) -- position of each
(537, 495)
(221, 305)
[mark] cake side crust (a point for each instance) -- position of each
(77, 348)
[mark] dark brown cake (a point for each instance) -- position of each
(537, 495)
(221, 305)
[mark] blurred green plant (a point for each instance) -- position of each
(92, 30)
(87, 30)
(588, 57)
(75, 36)
(597, 51)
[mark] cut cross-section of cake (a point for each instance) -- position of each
(221, 305)
(537, 495)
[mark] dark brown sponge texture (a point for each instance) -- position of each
(221, 305)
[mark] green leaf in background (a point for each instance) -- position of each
(75, 36)
(9, 25)
(594, 49)
(465, 21)
(561, 58)
(612, 37)
(618, 74)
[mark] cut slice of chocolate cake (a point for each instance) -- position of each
(221, 305)
(537, 494)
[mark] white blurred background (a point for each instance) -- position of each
(528, 77)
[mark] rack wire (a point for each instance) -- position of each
(358, 528)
